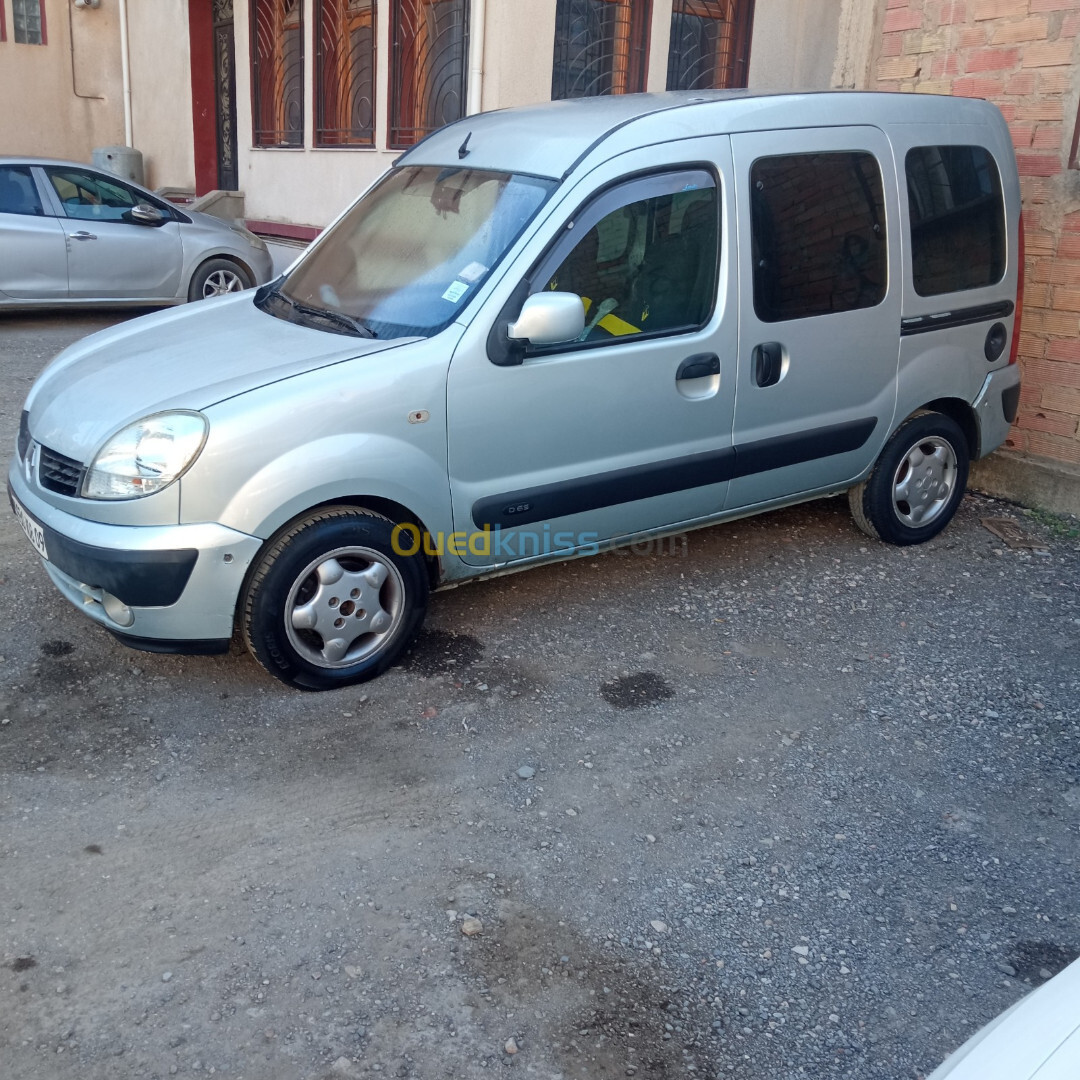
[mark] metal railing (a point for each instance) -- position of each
(601, 47)
(710, 44)
(429, 51)
(277, 72)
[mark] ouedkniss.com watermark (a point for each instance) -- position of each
(409, 539)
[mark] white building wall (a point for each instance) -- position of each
(796, 44)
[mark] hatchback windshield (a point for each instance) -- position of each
(407, 257)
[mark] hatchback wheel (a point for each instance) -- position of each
(917, 482)
(331, 602)
(216, 277)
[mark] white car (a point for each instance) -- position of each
(71, 234)
(1037, 1039)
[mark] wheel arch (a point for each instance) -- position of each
(388, 508)
(961, 413)
(228, 256)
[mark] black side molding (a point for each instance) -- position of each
(137, 578)
(585, 493)
(944, 320)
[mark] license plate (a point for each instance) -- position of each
(34, 532)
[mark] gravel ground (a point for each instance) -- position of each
(775, 802)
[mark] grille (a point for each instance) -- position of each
(59, 473)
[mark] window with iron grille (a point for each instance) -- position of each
(710, 44)
(601, 47)
(429, 51)
(345, 73)
(29, 22)
(277, 72)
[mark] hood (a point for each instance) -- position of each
(1037, 1039)
(184, 358)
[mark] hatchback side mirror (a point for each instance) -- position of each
(145, 214)
(548, 318)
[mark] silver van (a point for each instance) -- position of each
(544, 332)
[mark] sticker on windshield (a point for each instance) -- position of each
(473, 272)
(455, 292)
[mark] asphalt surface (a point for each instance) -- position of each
(778, 802)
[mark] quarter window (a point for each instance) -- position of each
(818, 235)
(345, 73)
(29, 22)
(710, 44)
(646, 261)
(957, 219)
(17, 192)
(277, 72)
(601, 47)
(429, 46)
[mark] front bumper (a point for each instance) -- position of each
(175, 585)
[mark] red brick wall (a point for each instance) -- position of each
(1022, 55)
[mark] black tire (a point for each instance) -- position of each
(216, 277)
(917, 482)
(374, 595)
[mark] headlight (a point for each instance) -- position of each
(256, 242)
(146, 456)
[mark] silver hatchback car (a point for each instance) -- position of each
(544, 332)
(71, 234)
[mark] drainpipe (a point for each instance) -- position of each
(476, 56)
(71, 49)
(125, 67)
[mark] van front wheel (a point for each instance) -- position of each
(916, 484)
(332, 602)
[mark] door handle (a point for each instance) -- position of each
(82, 235)
(768, 360)
(698, 366)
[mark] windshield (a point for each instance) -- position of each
(407, 257)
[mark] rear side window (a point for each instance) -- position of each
(17, 192)
(818, 230)
(957, 219)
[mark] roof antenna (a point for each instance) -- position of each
(463, 149)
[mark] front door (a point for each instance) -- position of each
(819, 320)
(225, 95)
(628, 428)
(110, 256)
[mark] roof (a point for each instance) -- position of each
(551, 138)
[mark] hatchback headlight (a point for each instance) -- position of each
(146, 456)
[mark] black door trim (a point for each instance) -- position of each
(585, 493)
(943, 320)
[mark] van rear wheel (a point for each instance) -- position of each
(331, 602)
(916, 484)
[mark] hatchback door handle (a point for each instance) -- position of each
(699, 366)
(83, 235)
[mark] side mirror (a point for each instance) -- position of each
(145, 214)
(548, 318)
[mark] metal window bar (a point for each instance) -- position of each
(429, 51)
(345, 73)
(28, 22)
(710, 44)
(601, 47)
(277, 72)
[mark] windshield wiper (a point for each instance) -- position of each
(355, 326)
(339, 318)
